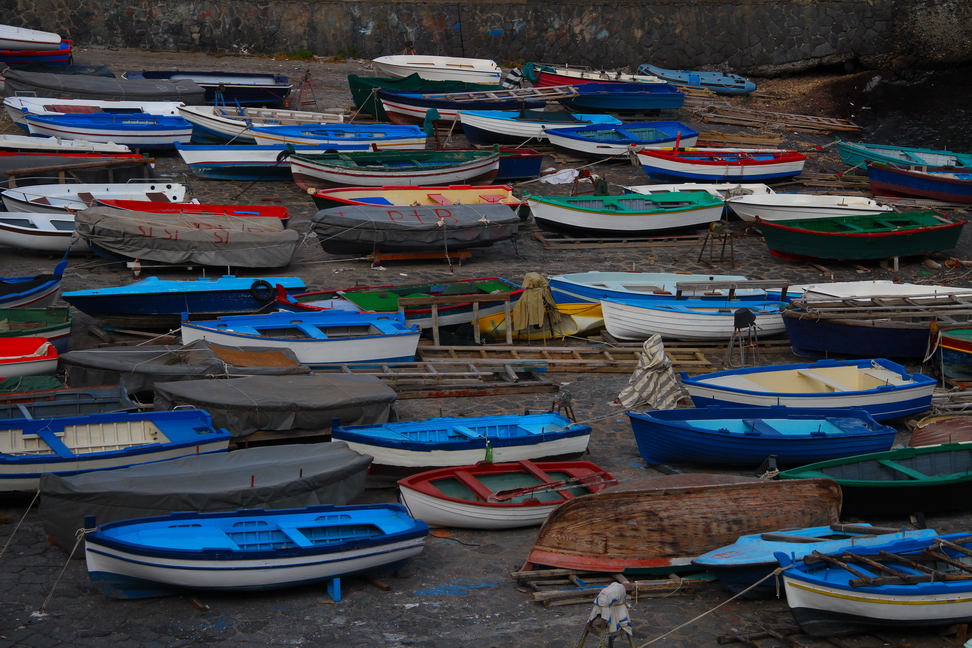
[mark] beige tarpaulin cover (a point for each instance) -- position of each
(653, 382)
(536, 302)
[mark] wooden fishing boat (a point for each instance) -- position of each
(164, 556)
(20, 39)
(364, 90)
(41, 232)
(250, 162)
(950, 184)
(64, 401)
(901, 481)
(373, 137)
(414, 446)
(687, 319)
(59, 55)
(575, 320)
(596, 285)
(188, 239)
(542, 75)
(939, 429)
(320, 338)
(901, 326)
(722, 190)
(787, 207)
(903, 583)
(38, 291)
(655, 522)
(720, 165)
(624, 98)
(135, 131)
(19, 107)
(858, 154)
(625, 215)
(27, 356)
(748, 435)
(247, 88)
(414, 107)
(239, 211)
(519, 127)
(232, 124)
(273, 477)
(43, 84)
(53, 324)
(883, 388)
(609, 141)
(154, 303)
(384, 299)
(440, 68)
(742, 565)
(70, 445)
(862, 237)
(363, 229)
(27, 143)
(724, 83)
(498, 496)
(954, 353)
(410, 195)
(64, 198)
(385, 168)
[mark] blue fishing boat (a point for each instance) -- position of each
(135, 131)
(373, 137)
(249, 550)
(600, 141)
(39, 291)
(883, 388)
(414, 446)
(71, 445)
(159, 303)
(624, 98)
(521, 126)
(405, 107)
(250, 162)
(594, 286)
(718, 82)
(857, 154)
(748, 435)
(742, 565)
(910, 582)
(52, 403)
(315, 338)
(950, 184)
(246, 88)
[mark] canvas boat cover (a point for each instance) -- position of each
(354, 229)
(653, 383)
(281, 403)
(41, 84)
(204, 239)
(138, 368)
(272, 477)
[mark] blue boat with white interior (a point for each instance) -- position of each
(743, 565)
(718, 82)
(624, 98)
(748, 435)
(250, 549)
(600, 141)
(413, 446)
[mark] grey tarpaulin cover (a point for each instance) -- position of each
(41, 84)
(285, 476)
(653, 382)
(280, 403)
(354, 229)
(139, 368)
(205, 239)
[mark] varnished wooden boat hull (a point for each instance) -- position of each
(667, 521)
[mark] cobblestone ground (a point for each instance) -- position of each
(459, 591)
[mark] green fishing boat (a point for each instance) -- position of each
(364, 90)
(902, 481)
(882, 236)
(51, 323)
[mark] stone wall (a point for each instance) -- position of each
(761, 37)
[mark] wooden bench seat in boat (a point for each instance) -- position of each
(759, 426)
(463, 430)
(829, 382)
(893, 465)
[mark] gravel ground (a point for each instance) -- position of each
(459, 591)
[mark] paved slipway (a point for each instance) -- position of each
(458, 592)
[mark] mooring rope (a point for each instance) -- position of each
(12, 533)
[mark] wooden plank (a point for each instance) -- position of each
(562, 241)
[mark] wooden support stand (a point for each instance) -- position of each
(476, 300)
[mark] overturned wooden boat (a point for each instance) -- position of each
(688, 319)
(498, 496)
(787, 207)
(665, 522)
(440, 68)
(939, 429)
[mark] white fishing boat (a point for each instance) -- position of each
(783, 207)
(373, 137)
(879, 386)
(20, 38)
(57, 145)
(722, 190)
(19, 107)
(521, 126)
(61, 198)
(687, 319)
(316, 338)
(41, 232)
(440, 68)
(222, 124)
(595, 286)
